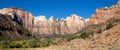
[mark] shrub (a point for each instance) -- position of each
(47, 43)
(61, 40)
(4, 44)
(1, 34)
(31, 43)
(109, 26)
(15, 44)
(91, 33)
(84, 35)
(20, 44)
(99, 31)
(117, 20)
(115, 49)
(71, 38)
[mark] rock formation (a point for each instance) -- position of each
(11, 30)
(20, 15)
(103, 14)
(70, 25)
(96, 42)
(41, 25)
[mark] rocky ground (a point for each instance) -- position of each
(107, 40)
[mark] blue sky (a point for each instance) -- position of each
(58, 8)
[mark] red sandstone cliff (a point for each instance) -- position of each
(70, 25)
(41, 25)
(103, 14)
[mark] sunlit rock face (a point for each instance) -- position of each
(70, 25)
(75, 23)
(41, 25)
(103, 14)
(20, 15)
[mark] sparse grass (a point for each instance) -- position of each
(115, 49)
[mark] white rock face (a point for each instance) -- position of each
(78, 20)
(2, 11)
(41, 18)
(51, 19)
(75, 22)
(41, 25)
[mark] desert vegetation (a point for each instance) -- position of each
(110, 25)
(31, 43)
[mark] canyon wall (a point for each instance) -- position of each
(70, 25)
(105, 13)
(42, 25)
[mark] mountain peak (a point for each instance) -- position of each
(51, 19)
(69, 25)
(41, 18)
(118, 4)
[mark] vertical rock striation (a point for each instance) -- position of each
(70, 25)
(41, 25)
